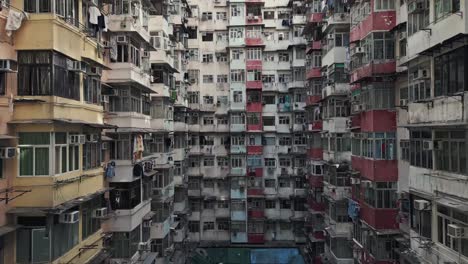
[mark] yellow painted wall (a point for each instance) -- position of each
(44, 191)
(75, 257)
(55, 107)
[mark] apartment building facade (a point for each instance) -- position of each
(247, 148)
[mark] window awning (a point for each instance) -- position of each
(436, 49)
(7, 137)
(60, 120)
(434, 125)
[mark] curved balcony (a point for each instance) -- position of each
(373, 68)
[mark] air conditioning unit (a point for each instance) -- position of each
(359, 50)
(143, 246)
(100, 213)
(416, 7)
(456, 231)
(70, 218)
(8, 66)
(428, 145)
(330, 36)
(146, 54)
(403, 35)
(76, 139)
(95, 71)
(421, 205)
(366, 184)
(8, 153)
(122, 39)
(355, 181)
(104, 98)
(403, 102)
(421, 74)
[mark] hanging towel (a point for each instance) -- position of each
(101, 22)
(14, 21)
(94, 14)
(106, 21)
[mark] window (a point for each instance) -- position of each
(444, 8)
(237, 75)
(221, 56)
(268, 14)
(254, 75)
(207, 36)
(193, 97)
(207, 58)
(91, 155)
(270, 183)
(283, 57)
(449, 72)
(450, 151)
(90, 224)
(253, 118)
(420, 156)
(405, 150)
(381, 195)
(384, 5)
(283, 183)
(222, 161)
(46, 73)
(221, 36)
(207, 78)
(237, 118)
(236, 10)
(34, 6)
(419, 20)
(268, 121)
(3, 79)
(254, 54)
(208, 162)
(421, 221)
(236, 33)
(223, 224)
(448, 216)
(207, 16)
(254, 32)
(285, 141)
(193, 76)
(193, 54)
(285, 204)
(270, 162)
(285, 162)
(221, 15)
(238, 140)
(194, 226)
(91, 89)
(255, 227)
(269, 99)
(373, 145)
(283, 120)
(208, 204)
(34, 154)
(238, 96)
(223, 78)
(237, 162)
(268, 56)
(208, 99)
(268, 78)
(237, 54)
(130, 100)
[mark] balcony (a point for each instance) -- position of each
(315, 181)
(255, 107)
(238, 149)
(237, 127)
(238, 171)
(126, 23)
(378, 218)
(316, 17)
(315, 153)
(254, 41)
(256, 238)
(238, 215)
(285, 192)
(162, 124)
(180, 126)
(313, 99)
(335, 89)
(336, 193)
(128, 220)
(254, 20)
(159, 230)
(316, 126)
(255, 192)
(49, 31)
(376, 170)
(336, 125)
(441, 110)
(336, 19)
(375, 21)
(124, 73)
(314, 73)
(373, 68)
(239, 237)
(316, 207)
(296, 84)
(254, 85)
(254, 150)
(179, 234)
(299, 19)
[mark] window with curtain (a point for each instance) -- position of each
(34, 154)
(92, 89)
(46, 73)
